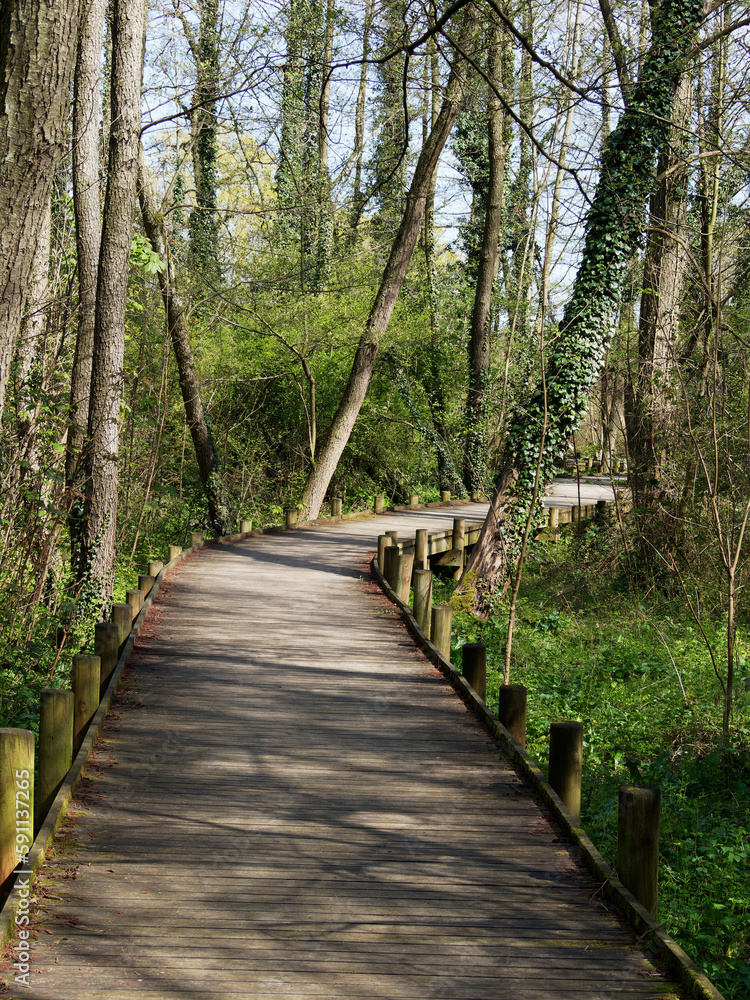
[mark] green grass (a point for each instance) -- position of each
(635, 671)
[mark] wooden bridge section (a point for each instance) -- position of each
(290, 803)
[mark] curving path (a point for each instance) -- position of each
(289, 803)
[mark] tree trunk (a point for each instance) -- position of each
(650, 415)
(358, 199)
(87, 207)
(37, 55)
(489, 257)
(205, 449)
(390, 286)
(100, 510)
(540, 430)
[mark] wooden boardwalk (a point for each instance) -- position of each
(289, 803)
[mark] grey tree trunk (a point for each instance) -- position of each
(100, 509)
(200, 432)
(481, 316)
(392, 280)
(87, 208)
(37, 55)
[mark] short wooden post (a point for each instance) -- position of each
(475, 498)
(174, 551)
(135, 599)
(511, 711)
(106, 643)
(638, 843)
(55, 747)
(196, 538)
(565, 763)
(379, 504)
(393, 535)
(406, 564)
(440, 629)
(122, 616)
(422, 603)
(84, 679)
(155, 567)
(421, 549)
(246, 527)
(413, 500)
(16, 797)
(601, 511)
(145, 583)
(589, 464)
(474, 659)
(290, 517)
(457, 543)
(336, 504)
(392, 567)
(445, 496)
(554, 517)
(383, 542)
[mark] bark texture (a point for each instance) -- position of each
(392, 280)
(100, 510)
(87, 208)
(200, 432)
(37, 55)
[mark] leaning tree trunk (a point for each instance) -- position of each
(539, 430)
(100, 509)
(37, 55)
(393, 277)
(205, 449)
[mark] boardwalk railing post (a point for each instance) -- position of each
(16, 797)
(122, 616)
(145, 583)
(423, 600)
(134, 598)
(155, 567)
(440, 629)
(638, 843)
(511, 711)
(421, 549)
(457, 544)
(379, 505)
(84, 680)
(474, 661)
(55, 747)
(106, 643)
(565, 763)
(393, 535)
(174, 551)
(336, 503)
(196, 538)
(413, 500)
(383, 542)
(445, 496)
(554, 522)
(290, 517)
(246, 527)
(392, 560)
(475, 498)
(406, 564)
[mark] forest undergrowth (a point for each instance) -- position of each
(627, 661)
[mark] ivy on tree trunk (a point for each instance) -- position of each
(540, 429)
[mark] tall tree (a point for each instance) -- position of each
(100, 510)
(37, 56)
(540, 429)
(393, 275)
(88, 224)
(200, 431)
